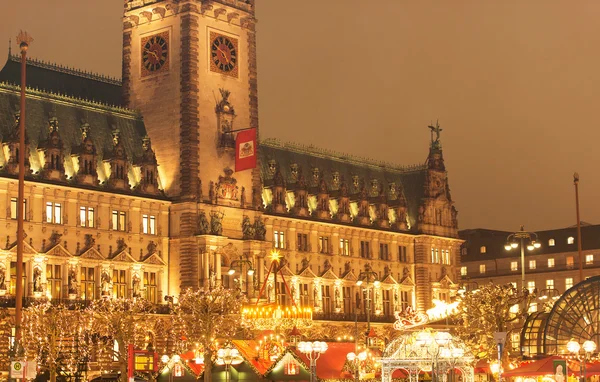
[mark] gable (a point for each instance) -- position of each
(307, 272)
(154, 259)
(27, 249)
(124, 257)
(59, 251)
(286, 271)
(329, 275)
(407, 281)
(92, 253)
(350, 276)
(389, 279)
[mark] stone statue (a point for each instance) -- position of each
(257, 199)
(105, 284)
(2, 276)
(72, 282)
(55, 238)
(216, 226)
(305, 263)
(243, 197)
(336, 299)
(211, 192)
(136, 287)
(37, 280)
(203, 225)
(347, 266)
(435, 143)
(89, 240)
(247, 229)
(259, 229)
(212, 278)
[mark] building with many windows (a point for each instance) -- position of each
(120, 206)
(550, 269)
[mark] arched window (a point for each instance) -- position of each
(482, 249)
(551, 243)
(571, 240)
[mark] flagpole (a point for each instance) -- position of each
(576, 183)
(24, 40)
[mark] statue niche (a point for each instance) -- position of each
(54, 158)
(12, 144)
(363, 217)
(225, 117)
(301, 196)
(149, 169)
(278, 204)
(322, 211)
(85, 155)
(343, 212)
(383, 219)
(119, 165)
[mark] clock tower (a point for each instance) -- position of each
(189, 67)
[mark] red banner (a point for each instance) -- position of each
(245, 150)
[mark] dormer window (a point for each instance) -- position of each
(551, 243)
(571, 240)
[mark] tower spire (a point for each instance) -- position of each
(9, 48)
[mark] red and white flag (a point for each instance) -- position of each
(245, 150)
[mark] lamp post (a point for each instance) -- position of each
(356, 359)
(171, 363)
(522, 239)
(588, 346)
(228, 356)
(313, 351)
(368, 275)
(249, 273)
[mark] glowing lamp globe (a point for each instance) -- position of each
(536, 244)
(573, 346)
(507, 247)
(514, 245)
(351, 356)
(362, 355)
(589, 346)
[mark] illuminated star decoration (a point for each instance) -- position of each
(275, 256)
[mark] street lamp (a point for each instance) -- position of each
(588, 346)
(241, 263)
(355, 360)
(228, 356)
(313, 351)
(523, 239)
(368, 275)
(173, 364)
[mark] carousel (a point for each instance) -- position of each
(427, 353)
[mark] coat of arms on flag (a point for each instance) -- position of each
(245, 150)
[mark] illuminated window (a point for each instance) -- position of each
(481, 268)
(54, 280)
(279, 239)
(119, 284)
(570, 240)
(463, 271)
(88, 285)
(482, 249)
(445, 256)
(435, 256)
(551, 243)
(551, 263)
(53, 213)
(532, 264)
(514, 284)
(533, 307)
(13, 209)
(118, 221)
(530, 286)
(86, 216)
(570, 262)
(149, 224)
(344, 247)
(549, 284)
(514, 266)
(150, 286)
(589, 259)
(568, 283)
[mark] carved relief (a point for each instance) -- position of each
(227, 187)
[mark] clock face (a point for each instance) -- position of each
(223, 54)
(155, 53)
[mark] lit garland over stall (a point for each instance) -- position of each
(269, 316)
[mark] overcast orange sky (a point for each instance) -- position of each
(515, 85)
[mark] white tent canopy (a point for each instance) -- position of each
(430, 351)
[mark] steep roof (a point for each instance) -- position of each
(70, 113)
(57, 79)
(409, 180)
